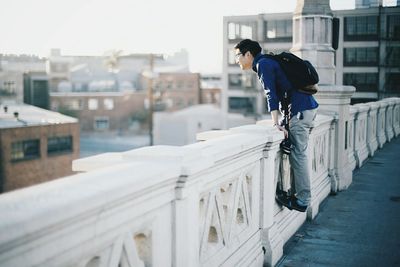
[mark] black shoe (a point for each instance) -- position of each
(296, 206)
(284, 200)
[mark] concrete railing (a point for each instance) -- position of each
(206, 204)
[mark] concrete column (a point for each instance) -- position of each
(312, 37)
(337, 99)
(312, 32)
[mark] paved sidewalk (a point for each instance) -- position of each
(356, 227)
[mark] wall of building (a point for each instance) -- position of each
(240, 92)
(125, 108)
(22, 173)
(174, 91)
(12, 68)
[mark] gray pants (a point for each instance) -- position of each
(300, 126)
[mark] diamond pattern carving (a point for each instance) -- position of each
(225, 212)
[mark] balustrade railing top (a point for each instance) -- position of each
(206, 204)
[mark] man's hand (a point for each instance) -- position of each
(282, 129)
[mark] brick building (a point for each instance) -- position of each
(175, 91)
(211, 87)
(36, 146)
(127, 110)
(102, 111)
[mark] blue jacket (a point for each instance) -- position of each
(275, 83)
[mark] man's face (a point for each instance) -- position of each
(245, 60)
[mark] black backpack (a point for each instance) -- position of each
(300, 73)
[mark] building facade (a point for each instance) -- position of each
(128, 110)
(102, 111)
(112, 72)
(211, 87)
(37, 145)
(36, 89)
(12, 69)
(175, 91)
(368, 55)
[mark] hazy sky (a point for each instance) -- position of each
(90, 27)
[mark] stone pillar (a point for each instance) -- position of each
(312, 37)
(312, 40)
(337, 99)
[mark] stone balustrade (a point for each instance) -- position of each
(206, 204)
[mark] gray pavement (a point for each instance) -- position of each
(356, 227)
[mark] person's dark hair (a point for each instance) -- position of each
(248, 45)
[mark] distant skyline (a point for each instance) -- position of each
(92, 27)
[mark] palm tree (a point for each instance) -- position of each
(111, 62)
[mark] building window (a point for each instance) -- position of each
(58, 67)
(9, 88)
(364, 82)
(190, 85)
(27, 149)
(232, 57)
(278, 30)
(392, 56)
(241, 80)
(241, 30)
(101, 123)
(360, 56)
(93, 104)
(170, 85)
(361, 28)
(392, 83)
(179, 85)
(108, 103)
(244, 105)
(80, 87)
(75, 104)
(59, 144)
(393, 27)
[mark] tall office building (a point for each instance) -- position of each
(368, 3)
(368, 55)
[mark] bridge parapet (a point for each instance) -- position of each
(206, 204)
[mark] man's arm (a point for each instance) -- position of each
(266, 75)
(267, 78)
(275, 120)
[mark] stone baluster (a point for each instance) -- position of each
(389, 131)
(372, 142)
(381, 123)
(360, 134)
(350, 136)
(396, 116)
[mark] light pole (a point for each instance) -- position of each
(150, 75)
(150, 96)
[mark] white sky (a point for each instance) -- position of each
(91, 27)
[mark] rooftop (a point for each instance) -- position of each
(30, 116)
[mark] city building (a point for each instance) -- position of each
(368, 54)
(175, 91)
(36, 89)
(12, 69)
(37, 145)
(181, 127)
(211, 86)
(122, 111)
(103, 111)
(114, 71)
